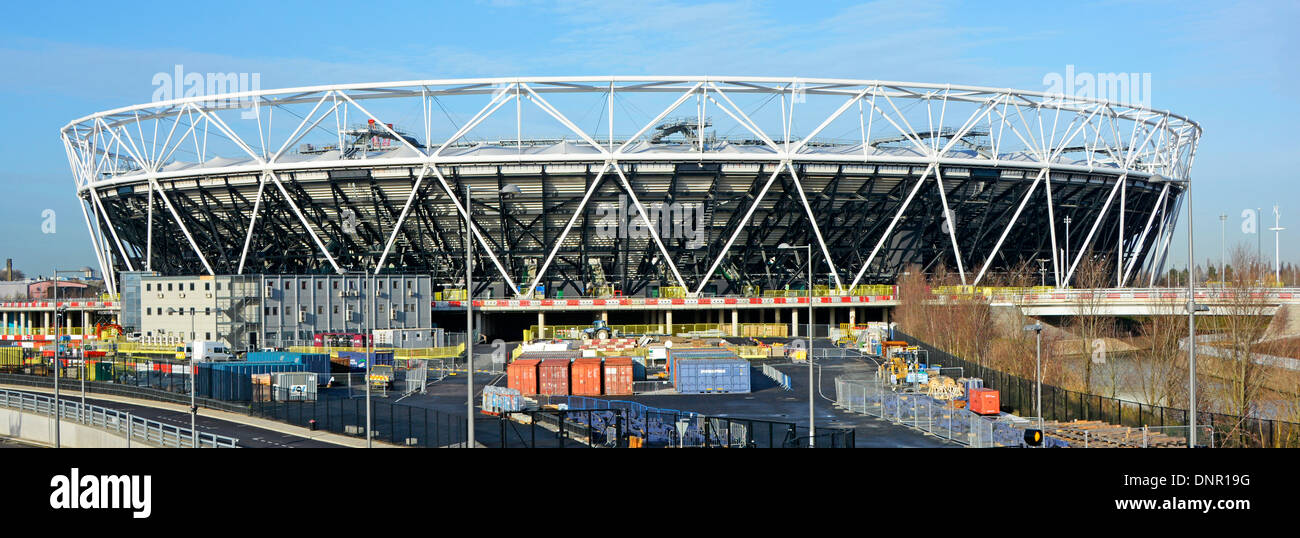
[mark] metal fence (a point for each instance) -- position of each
(776, 375)
(658, 427)
(390, 422)
(134, 428)
(1017, 395)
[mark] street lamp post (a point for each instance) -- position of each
(812, 416)
(369, 334)
(1067, 239)
(469, 318)
(1038, 378)
(1277, 245)
(1223, 241)
(58, 364)
(194, 387)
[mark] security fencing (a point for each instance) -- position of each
(937, 417)
(134, 428)
(657, 427)
(1016, 395)
(781, 379)
(390, 422)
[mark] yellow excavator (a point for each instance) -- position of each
(900, 358)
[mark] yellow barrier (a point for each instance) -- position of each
(672, 292)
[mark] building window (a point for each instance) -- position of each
(218, 286)
(408, 284)
(148, 287)
(275, 311)
(335, 284)
(169, 286)
(207, 311)
(267, 312)
(320, 310)
(379, 285)
(191, 286)
(207, 336)
(304, 284)
(320, 285)
(336, 309)
(207, 286)
(147, 312)
(288, 284)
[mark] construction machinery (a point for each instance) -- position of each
(599, 330)
(381, 376)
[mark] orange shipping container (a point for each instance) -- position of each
(553, 377)
(523, 375)
(585, 376)
(618, 376)
(984, 401)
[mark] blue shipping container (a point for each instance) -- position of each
(233, 381)
(357, 359)
(700, 376)
(315, 362)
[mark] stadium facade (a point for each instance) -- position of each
(633, 183)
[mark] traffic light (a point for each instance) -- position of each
(1034, 437)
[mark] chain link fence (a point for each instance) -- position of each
(1061, 405)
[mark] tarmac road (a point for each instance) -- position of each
(248, 436)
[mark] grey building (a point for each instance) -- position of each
(222, 308)
(296, 307)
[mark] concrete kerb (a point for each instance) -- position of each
(266, 424)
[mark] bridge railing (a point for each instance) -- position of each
(135, 428)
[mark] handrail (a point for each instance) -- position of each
(133, 427)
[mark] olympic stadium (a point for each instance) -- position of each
(631, 184)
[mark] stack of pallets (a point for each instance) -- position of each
(1097, 434)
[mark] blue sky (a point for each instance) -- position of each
(1226, 65)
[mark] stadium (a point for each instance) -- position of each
(587, 186)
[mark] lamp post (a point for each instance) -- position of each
(505, 190)
(1277, 252)
(812, 417)
(469, 318)
(57, 363)
(1067, 240)
(194, 407)
(1038, 378)
(1192, 309)
(1223, 240)
(369, 334)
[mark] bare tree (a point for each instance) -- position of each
(1092, 274)
(1241, 326)
(1160, 369)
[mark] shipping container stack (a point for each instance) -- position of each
(233, 381)
(522, 375)
(708, 370)
(314, 362)
(585, 375)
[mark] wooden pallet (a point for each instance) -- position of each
(1097, 434)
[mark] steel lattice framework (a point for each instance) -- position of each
(876, 175)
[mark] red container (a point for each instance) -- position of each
(586, 377)
(522, 375)
(984, 401)
(618, 376)
(553, 377)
